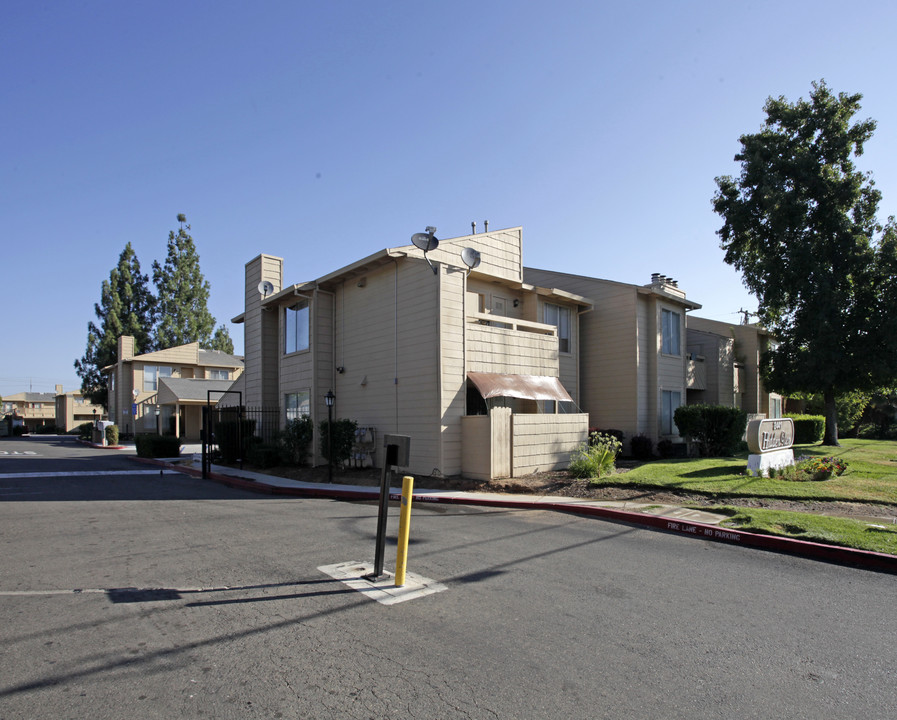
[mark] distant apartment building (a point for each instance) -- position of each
(164, 391)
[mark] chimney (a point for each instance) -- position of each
(59, 389)
(125, 347)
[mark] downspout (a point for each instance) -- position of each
(395, 379)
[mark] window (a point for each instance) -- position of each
(296, 327)
(670, 322)
(560, 318)
(775, 407)
(297, 404)
(151, 375)
(215, 374)
(671, 399)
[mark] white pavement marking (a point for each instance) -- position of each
(9, 476)
(383, 591)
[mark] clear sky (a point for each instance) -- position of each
(325, 131)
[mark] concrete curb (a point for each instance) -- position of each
(865, 559)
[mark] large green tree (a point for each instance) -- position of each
(125, 308)
(182, 294)
(800, 224)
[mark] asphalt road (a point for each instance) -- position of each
(125, 593)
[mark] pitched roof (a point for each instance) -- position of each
(190, 390)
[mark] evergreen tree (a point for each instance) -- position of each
(800, 224)
(125, 308)
(222, 341)
(182, 294)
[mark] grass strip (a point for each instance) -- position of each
(844, 532)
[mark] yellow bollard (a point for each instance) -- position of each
(404, 523)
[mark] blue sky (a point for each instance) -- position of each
(325, 131)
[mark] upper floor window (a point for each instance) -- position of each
(296, 327)
(151, 375)
(217, 374)
(559, 317)
(670, 323)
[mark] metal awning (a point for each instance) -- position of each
(528, 387)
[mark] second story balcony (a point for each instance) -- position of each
(500, 344)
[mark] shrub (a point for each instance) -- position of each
(809, 469)
(619, 434)
(596, 457)
(47, 430)
(642, 447)
(296, 438)
(112, 434)
(234, 438)
(19, 430)
(808, 429)
(157, 446)
(85, 430)
(343, 439)
(716, 430)
(262, 455)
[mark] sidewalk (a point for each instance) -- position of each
(669, 518)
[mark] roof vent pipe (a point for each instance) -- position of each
(473, 228)
(485, 226)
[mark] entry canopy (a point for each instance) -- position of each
(528, 387)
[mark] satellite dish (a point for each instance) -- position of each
(426, 241)
(266, 288)
(471, 258)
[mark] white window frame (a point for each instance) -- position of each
(217, 374)
(296, 327)
(562, 318)
(671, 332)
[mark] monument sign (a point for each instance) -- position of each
(769, 442)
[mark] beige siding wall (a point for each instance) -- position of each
(500, 253)
(646, 401)
(453, 302)
(501, 350)
(261, 332)
(544, 442)
(719, 367)
(387, 343)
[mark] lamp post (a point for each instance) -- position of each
(158, 420)
(328, 400)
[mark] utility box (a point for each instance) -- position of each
(398, 450)
(99, 431)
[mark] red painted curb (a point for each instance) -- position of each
(867, 559)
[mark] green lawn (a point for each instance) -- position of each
(871, 477)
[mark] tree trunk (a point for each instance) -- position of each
(831, 419)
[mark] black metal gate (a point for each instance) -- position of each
(229, 432)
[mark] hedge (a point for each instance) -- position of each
(716, 430)
(157, 446)
(808, 429)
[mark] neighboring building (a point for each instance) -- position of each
(477, 366)
(35, 409)
(731, 355)
(164, 391)
(72, 410)
(633, 357)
